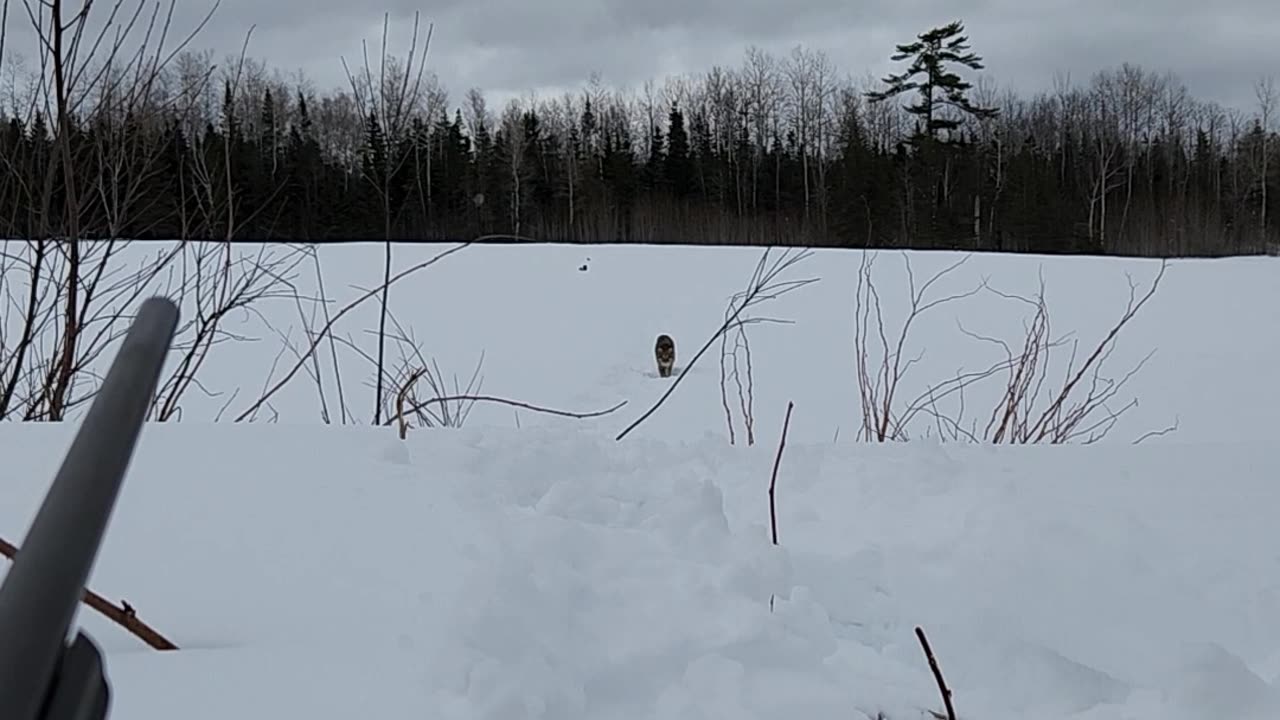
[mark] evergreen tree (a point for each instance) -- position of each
(679, 174)
(940, 88)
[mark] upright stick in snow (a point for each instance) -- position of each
(773, 479)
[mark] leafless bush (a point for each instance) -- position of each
(878, 383)
(418, 370)
(452, 408)
(61, 310)
(443, 405)
(736, 369)
(735, 361)
(1030, 408)
(211, 281)
(306, 355)
(1080, 407)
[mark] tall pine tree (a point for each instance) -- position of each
(940, 88)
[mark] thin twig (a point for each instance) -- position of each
(1157, 433)
(513, 403)
(773, 478)
(937, 674)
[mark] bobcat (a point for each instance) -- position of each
(665, 352)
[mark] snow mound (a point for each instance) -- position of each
(538, 573)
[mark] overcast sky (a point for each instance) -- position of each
(510, 47)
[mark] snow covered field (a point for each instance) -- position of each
(530, 566)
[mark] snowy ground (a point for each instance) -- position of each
(547, 571)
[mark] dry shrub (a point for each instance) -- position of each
(736, 371)
(1035, 405)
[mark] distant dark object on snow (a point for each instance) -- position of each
(665, 353)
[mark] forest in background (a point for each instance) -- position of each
(781, 150)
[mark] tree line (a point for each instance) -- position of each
(780, 150)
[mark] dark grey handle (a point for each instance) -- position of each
(46, 582)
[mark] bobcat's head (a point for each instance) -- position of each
(665, 349)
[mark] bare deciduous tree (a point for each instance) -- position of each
(388, 104)
(1268, 97)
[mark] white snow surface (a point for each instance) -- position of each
(549, 571)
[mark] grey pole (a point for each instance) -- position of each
(46, 582)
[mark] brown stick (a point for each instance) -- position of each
(400, 396)
(937, 674)
(773, 479)
(122, 614)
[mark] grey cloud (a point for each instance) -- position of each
(510, 46)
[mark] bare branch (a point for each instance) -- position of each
(517, 404)
(765, 285)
